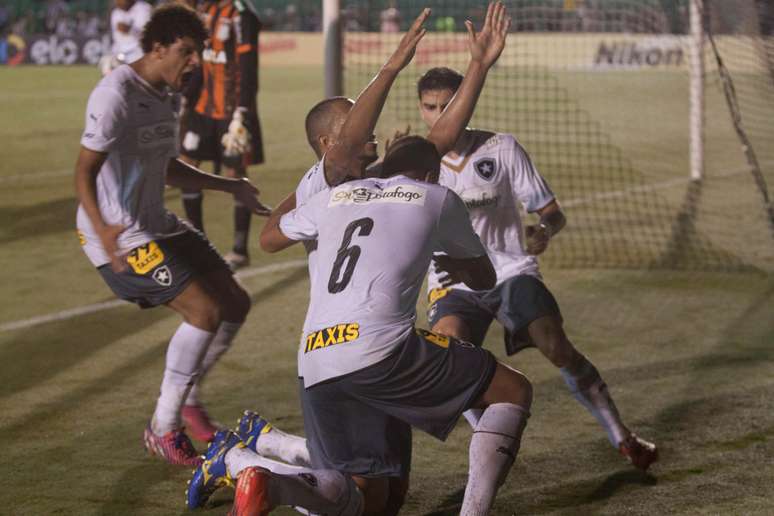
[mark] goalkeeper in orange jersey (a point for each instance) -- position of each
(221, 122)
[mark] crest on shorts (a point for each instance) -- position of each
(163, 276)
(485, 168)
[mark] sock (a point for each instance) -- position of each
(493, 450)
(192, 203)
(473, 416)
(225, 335)
(242, 216)
(308, 490)
(288, 448)
(589, 389)
(184, 355)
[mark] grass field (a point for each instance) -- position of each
(687, 353)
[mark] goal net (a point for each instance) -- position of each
(599, 93)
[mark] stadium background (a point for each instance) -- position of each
(665, 282)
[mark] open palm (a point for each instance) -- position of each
(487, 45)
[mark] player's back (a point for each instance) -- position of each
(375, 240)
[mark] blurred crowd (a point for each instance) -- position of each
(90, 17)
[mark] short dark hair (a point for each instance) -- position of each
(318, 120)
(410, 154)
(440, 78)
(171, 22)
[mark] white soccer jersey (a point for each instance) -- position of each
(375, 239)
(494, 176)
(137, 127)
(128, 43)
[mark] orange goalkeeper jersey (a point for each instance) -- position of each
(229, 60)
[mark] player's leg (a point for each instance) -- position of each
(459, 314)
(496, 438)
(531, 315)
(264, 483)
(239, 256)
(233, 304)
(265, 439)
(193, 200)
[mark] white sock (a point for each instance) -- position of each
(184, 355)
(225, 335)
(286, 447)
(590, 390)
(493, 449)
(309, 491)
(238, 458)
(473, 416)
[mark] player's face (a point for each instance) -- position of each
(432, 103)
(178, 62)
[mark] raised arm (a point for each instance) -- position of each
(485, 48)
(341, 160)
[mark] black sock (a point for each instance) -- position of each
(192, 203)
(242, 216)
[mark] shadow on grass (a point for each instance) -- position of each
(22, 222)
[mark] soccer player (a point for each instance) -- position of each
(143, 252)
(379, 287)
(127, 19)
(222, 125)
(494, 175)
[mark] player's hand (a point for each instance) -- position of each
(108, 235)
(487, 45)
(247, 194)
(537, 239)
(408, 43)
(448, 270)
(237, 140)
(398, 134)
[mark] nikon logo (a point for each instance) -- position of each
(332, 335)
(633, 55)
(402, 194)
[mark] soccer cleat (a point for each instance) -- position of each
(212, 473)
(198, 423)
(252, 493)
(640, 452)
(250, 427)
(174, 447)
(236, 260)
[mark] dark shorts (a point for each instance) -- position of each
(160, 270)
(360, 423)
(200, 139)
(515, 303)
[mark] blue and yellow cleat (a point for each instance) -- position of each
(250, 427)
(212, 473)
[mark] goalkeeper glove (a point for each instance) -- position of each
(237, 140)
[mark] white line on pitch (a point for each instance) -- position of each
(98, 307)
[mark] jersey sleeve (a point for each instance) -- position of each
(529, 187)
(299, 223)
(141, 16)
(247, 52)
(455, 232)
(106, 115)
(312, 183)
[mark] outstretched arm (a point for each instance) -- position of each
(272, 239)
(485, 48)
(341, 160)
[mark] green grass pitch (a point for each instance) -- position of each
(688, 355)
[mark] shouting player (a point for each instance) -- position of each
(222, 124)
(143, 252)
(494, 176)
